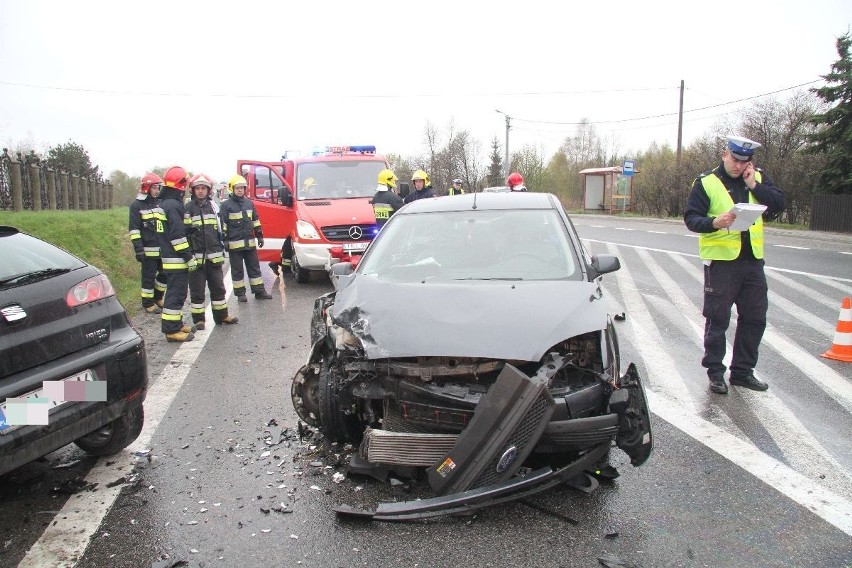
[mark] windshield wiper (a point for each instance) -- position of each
(473, 278)
(34, 275)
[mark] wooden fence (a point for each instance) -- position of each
(832, 213)
(26, 184)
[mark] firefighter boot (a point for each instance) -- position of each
(228, 320)
(159, 303)
(155, 309)
(242, 298)
(199, 325)
(179, 336)
(188, 329)
(263, 295)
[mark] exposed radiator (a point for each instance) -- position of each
(404, 448)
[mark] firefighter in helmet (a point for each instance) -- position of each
(515, 181)
(421, 185)
(176, 255)
(385, 201)
(206, 242)
(242, 233)
(143, 236)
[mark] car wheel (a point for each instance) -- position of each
(301, 275)
(334, 423)
(115, 436)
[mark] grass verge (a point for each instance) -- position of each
(98, 237)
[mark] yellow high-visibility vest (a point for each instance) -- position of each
(724, 244)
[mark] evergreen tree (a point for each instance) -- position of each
(73, 158)
(833, 138)
(495, 169)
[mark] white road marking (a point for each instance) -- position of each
(791, 247)
(820, 501)
(65, 540)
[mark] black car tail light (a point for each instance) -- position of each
(90, 290)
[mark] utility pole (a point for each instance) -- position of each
(506, 160)
(679, 126)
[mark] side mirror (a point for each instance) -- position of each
(604, 264)
(286, 196)
(340, 274)
(404, 190)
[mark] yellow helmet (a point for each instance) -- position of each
(387, 177)
(420, 174)
(235, 181)
(309, 183)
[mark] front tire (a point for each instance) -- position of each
(115, 436)
(301, 275)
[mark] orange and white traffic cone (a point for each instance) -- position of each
(841, 348)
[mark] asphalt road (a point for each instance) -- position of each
(750, 479)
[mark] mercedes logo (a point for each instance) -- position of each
(355, 232)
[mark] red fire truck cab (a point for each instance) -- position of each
(318, 201)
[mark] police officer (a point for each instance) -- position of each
(422, 187)
(206, 243)
(733, 260)
(175, 253)
(456, 188)
(143, 235)
(242, 233)
(385, 201)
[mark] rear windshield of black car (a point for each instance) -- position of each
(23, 254)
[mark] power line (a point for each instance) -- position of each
(336, 95)
(667, 114)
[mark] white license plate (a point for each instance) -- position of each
(86, 375)
(355, 247)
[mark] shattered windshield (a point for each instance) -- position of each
(473, 245)
(335, 180)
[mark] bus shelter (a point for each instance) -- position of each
(607, 190)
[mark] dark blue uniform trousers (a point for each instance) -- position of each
(741, 282)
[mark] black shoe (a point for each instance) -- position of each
(242, 298)
(263, 296)
(717, 385)
(749, 382)
(274, 267)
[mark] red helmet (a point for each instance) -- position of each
(514, 179)
(148, 180)
(200, 179)
(176, 177)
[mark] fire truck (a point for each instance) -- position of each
(320, 202)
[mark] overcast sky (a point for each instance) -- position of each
(202, 84)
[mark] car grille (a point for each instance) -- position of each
(343, 233)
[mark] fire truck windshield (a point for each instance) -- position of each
(337, 180)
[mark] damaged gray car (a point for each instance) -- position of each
(473, 340)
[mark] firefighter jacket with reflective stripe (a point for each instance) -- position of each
(143, 226)
(171, 231)
(240, 224)
(725, 244)
(385, 204)
(204, 236)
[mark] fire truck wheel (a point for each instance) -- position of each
(301, 275)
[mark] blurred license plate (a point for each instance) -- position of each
(355, 247)
(86, 375)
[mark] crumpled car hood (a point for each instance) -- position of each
(499, 320)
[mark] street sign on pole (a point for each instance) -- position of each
(627, 168)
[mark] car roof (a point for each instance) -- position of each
(487, 201)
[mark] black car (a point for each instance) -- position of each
(473, 340)
(67, 348)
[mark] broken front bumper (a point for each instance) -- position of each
(473, 499)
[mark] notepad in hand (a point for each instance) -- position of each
(747, 214)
